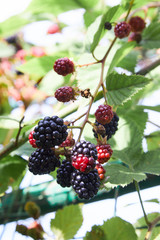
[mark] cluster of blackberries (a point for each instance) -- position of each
(50, 132)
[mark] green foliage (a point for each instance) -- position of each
(11, 168)
(129, 61)
(153, 140)
(67, 222)
(151, 36)
(6, 50)
(120, 55)
(142, 227)
(120, 87)
(149, 162)
(116, 228)
(96, 233)
(122, 175)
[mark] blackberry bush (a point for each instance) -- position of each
(43, 161)
(85, 185)
(50, 132)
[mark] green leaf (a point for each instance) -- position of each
(38, 66)
(121, 175)
(96, 233)
(116, 228)
(154, 108)
(13, 24)
(120, 87)
(11, 169)
(149, 162)
(151, 36)
(153, 140)
(6, 50)
(67, 222)
(120, 54)
(129, 62)
(136, 3)
(57, 7)
(90, 16)
(142, 227)
(95, 30)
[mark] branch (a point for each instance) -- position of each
(149, 68)
(144, 8)
(150, 228)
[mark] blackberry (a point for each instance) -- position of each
(63, 66)
(108, 25)
(110, 128)
(104, 153)
(137, 24)
(50, 132)
(122, 30)
(85, 185)
(64, 94)
(64, 174)
(43, 161)
(31, 140)
(54, 28)
(68, 143)
(134, 36)
(104, 114)
(101, 171)
(84, 155)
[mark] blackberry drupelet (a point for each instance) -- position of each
(43, 161)
(85, 185)
(110, 128)
(122, 30)
(64, 94)
(64, 173)
(84, 156)
(50, 132)
(63, 66)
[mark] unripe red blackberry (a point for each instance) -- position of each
(43, 161)
(86, 185)
(104, 114)
(104, 153)
(101, 171)
(137, 24)
(64, 94)
(84, 155)
(32, 141)
(110, 128)
(63, 66)
(68, 143)
(122, 30)
(64, 173)
(134, 36)
(50, 132)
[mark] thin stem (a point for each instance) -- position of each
(131, 4)
(79, 117)
(109, 49)
(19, 130)
(139, 195)
(154, 123)
(71, 127)
(150, 228)
(88, 64)
(116, 198)
(149, 68)
(104, 92)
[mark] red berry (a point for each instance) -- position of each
(104, 114)
(104, 153)
(64, 94)
(135, 37)
(83, 163)
(32, 141)
(37, 51)
(137, 24)
(68, 143)
(101, 171)
(54, 28)
(63, 66)
(122, 30)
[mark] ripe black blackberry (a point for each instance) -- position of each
(108, 25)
(122, 30)
(50, 132)
(110, 128)
(64, 173)
(64, 94)
(84, 155)
(85, 185)
(63, 66)
(43, 161)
